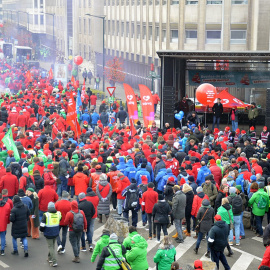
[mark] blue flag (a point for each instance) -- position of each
(78, 103)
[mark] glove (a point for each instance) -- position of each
(67, 176)
(143, 212)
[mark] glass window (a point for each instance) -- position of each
(84, 26)
(80, 25)
(36, 4)
(127, 29)
(138, 31)
(157, 33)
(164, 2)
(41, 19)
(84, 5)
(41, 3)
(163, 35)
(144, 2)
(144, 32)
(109, 27)
(89, 26)
(117, 28)
(89, 5)
(150, 32)
(80, 5)
(36, 19)
(213, 36)
(84, 51)
(174, 2)
(210, 2)
(191, 34)
(89, 53)
(174, 36)
(239, 2)
(191, 2)
(132, 29)
(122, 29)
(238, 36)
(113, 27)
(157, 3)
(150, 2)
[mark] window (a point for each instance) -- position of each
(138, 31)
(41, 3)
(36, 4)
(84, 26)
(41, 19)
(213, 36)
(163, 35)
(80, 25)
(84, 52)
(36, 19)
(122, 29)
(239, 2)
(150, 32)
(173, 2)
(80, 5)
(89, 5)
(191, 34)
(144, 2)
(132, 29)
(89, 26)
(127, 29)
(157, 33)
(210, 2)
(80, 49)
(157, 3)
(89, 53)
(191, 2)
(164, 2)
(144, 32)
(117, 28)
(109, 27)
(113, 27)
(174, 36)
(238, 36)
(84, 5)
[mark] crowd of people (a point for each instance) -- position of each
(216, 184)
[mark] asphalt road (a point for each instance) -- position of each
(246, 256)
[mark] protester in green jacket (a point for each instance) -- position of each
(165, 255)
(137, 256)
(49, 161)
(127, 240)
(224, 210)
(101, 243)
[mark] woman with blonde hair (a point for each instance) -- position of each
(165, 255)
(33, 222)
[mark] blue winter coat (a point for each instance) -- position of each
(130, 170)
(95, 118)
(85, 117)
(203, 172)
(158, 180)
(122, 165)
(140, 172)
(149, 168)
(165, 179)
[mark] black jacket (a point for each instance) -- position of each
(104, 118)
(217, 110)
(161, 211)
(218, 236)
(3, 115)
(189, 201)
(250, 151)
(88, 209)
(168, 192)
(219, 198)
(19, 216)
(159, 165)
(122, 115)
(39, 182)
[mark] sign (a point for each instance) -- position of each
(111, 90)
(240, 79)
(60, 73)
(111, 100)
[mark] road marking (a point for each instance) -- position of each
(257, 239)
(181, 249)
(246, 253)
(3, 265)
(243, 262)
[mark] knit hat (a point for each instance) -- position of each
(252, 128)
(160, 197)
(21, 193)
(51, 206)
(239, 187)
(171, 179)
(16, 199)
(218, 218)
(232, 190)
(182, 181)
(89, 189)
(253, 178)
(65, 194)
(50, 167)
(133, 180)
(205, 202)
(113, 168)
(81, 195)
(113, 236)
(169, 170)
(25, 170)
(191, 178)
(209, 177)
(103, 177)
(261, 185)
(198, 264)
(199, 189)
(31, 189)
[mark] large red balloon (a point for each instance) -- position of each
(78, 60)
(1, 25)
(206, 93)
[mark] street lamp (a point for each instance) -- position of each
(103, 50)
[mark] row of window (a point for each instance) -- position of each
(86, 27)
(86, 54)
(164, 2)
(84, 3)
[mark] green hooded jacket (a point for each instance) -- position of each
(253, 202)
(165, 257)
(101, 243)
(137, 256)
(127, 240)
(223, 212)
(49, 161)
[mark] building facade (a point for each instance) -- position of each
(137, 29)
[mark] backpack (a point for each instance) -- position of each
(133, 199)
(114, 106)
(262, 203)
(16, 170)
(78, 221)
(237, 205)
(29, 183)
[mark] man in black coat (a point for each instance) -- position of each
(122, 115)
(217, 241)
(217, 112)
(3, 115)
(159, 165)
(104, 118)
(89, 211)
(19, 217)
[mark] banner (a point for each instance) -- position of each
(78, 102)
(131, 103)
(147, 105)
(10, 144)
(50, 77)
(72, 119)
(73, 80)
(240, 79)
(60, 73)
(83, 92)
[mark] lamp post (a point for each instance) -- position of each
(103, 49)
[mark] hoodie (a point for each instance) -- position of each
(130, 170)
(203, 172)
(101, 243)
(122, 165)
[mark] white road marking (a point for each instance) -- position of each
(243, 262)
(257, 239)
(3, 265)
(181, 249)
(246, 253)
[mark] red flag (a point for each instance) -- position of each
(147, 105)
(50, 74)
(72, 80)
(29, 76)
(132, 128)
(83, 91)
(72, 119)
(131, 103)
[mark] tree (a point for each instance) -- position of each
(114, 70)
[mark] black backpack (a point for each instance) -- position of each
(16, 170)
(114, 106)
(78, 221)
(29, 183)
(237, 205)
(133, 198)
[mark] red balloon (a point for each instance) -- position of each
(206, 93)
(78, 60)
(1, 25)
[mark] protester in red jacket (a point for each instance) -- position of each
(2, 169)
(49, 177)
(21, 120)
(9, 182)
(4, 217)
(121, 185)
(81, 181)
(46, 195)
(197, 201)
(23, 179)
(216, 171)
(266, 257)
(149, 199)
(92, 197)
(12, 117)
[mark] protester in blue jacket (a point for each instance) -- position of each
(141, 172)
(94, 119)
(130, 170)
(158, 180)
(85, 117)
(122, 165)
(203, 172)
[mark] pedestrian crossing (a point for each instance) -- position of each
(185, 255)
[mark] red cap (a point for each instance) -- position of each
(23, 155)
(243, 132)
(227, 128)
(265, 128)
(171, 179)
(212, 161)
(252, 128)
(253, 161)
(50, 167)
(237, 131)
(218, 218)
(85, 123)
(182, 181)
(64, 154)
(93, 170)
(198, 264)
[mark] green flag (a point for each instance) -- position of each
(10, 144)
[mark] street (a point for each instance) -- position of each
(247, 256)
